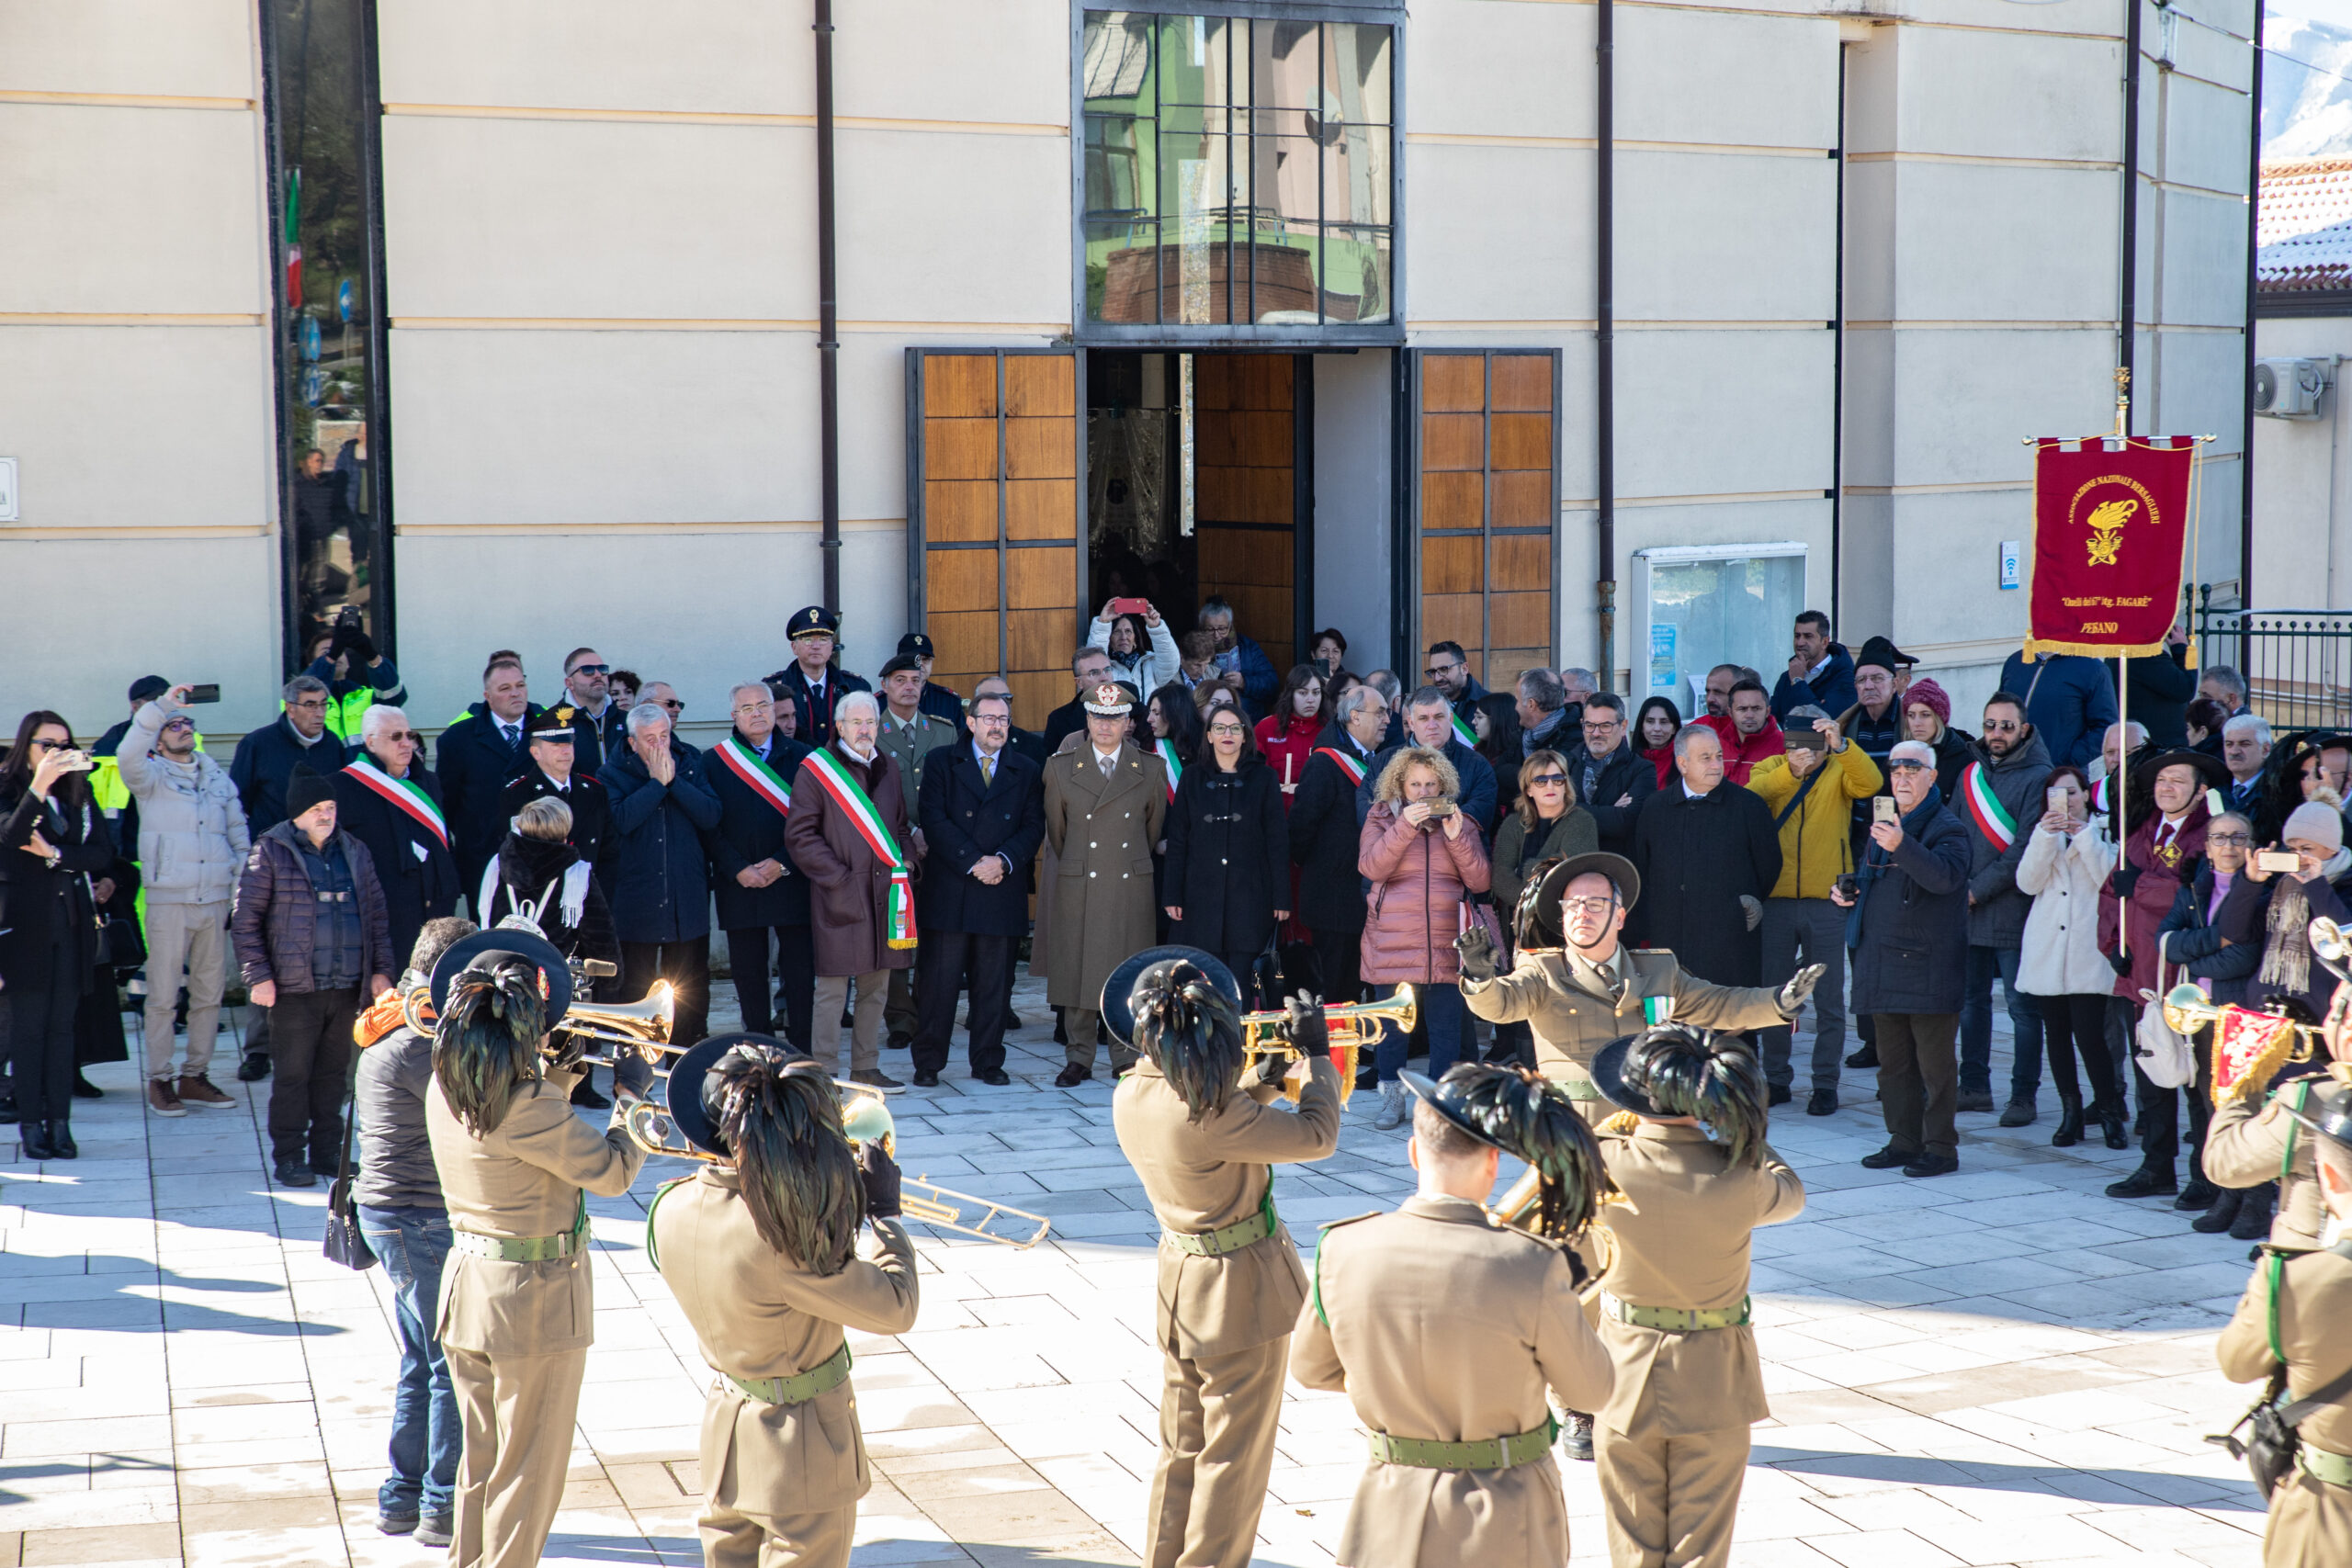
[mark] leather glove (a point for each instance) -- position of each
(340, 642)
(1791, 996)
(2119, 962)
(1272, 1070)
(1753, 908)
(880, 1174)
(1477, 952)
(361, 648)
(1306, 1028)
(2124, 877)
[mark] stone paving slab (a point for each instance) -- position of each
(2000, 1368)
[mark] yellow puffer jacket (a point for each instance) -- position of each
(1815, 848)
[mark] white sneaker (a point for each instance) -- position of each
(1392, 1105)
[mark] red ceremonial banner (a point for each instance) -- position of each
(2110, 535)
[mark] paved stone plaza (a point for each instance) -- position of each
(2001, 1367)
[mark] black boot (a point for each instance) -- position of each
(2254, 1214)
(34, 1139)
(2070, 1122)
(2198, 1195)
(2222, 1215)
(2110, 1125)
(61, 1140)
(2151, 1180)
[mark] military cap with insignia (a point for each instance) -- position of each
(811, 619)
(551, 724)
(917, 643)
(1108, 698)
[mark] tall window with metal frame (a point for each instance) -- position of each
(1238, 170)
(327, 227)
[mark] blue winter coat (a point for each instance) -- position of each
(661, 878)
(1913, 925)
(1832, 687)
(2072, 704)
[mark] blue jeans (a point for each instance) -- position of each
(413, 1244)
(1445, 1018)
(1985, 964)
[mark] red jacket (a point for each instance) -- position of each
(1742, 752)
(1417, 883)
(1292, 744)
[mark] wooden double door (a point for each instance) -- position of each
(996, 485)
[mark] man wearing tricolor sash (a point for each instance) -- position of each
(387, 802)
(1324, 837)
(1999, 790)
(848, 832)
(762, 896)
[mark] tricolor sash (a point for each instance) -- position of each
(1351, 770)
(840, 783)
(1463, 733)
(407, 797)
(1175, 768)
(753, 770)
(1984, 807)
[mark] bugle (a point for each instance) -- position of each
(866, 1120)
(640, 1028)
(2331, 948)
(2189, 1009)
(1350, 1025)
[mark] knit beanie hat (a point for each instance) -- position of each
(1927, 691)
(2317, 822)
(304, 790)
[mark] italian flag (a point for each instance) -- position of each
(837, 782)
(1175, 768)
(1351, 770)
(1463, 733)
(405, 796)
(294, 240)
(1984, 807)
(753, 770)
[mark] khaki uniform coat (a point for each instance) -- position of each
(1224, 1323)
(1672, 1440)
(2253, 1140)
(1102, 831)
(850, 887)
(1444, 1326)
(757, 1314)
(1573, 1015)
(2311, 1520)
(909, 744)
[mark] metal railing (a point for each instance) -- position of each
(2297, 663)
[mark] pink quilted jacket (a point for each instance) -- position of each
(1418, 882)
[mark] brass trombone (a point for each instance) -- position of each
(1351, 1027)
(867, 1120)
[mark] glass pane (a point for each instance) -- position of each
(1123, 272)
(319, 72)
(1201, 200)
(1118, 166)
(1356, 71)
(1204, 60)
(1355, 273)
(1116, 66)
(1287, 265)
(1702, 612)
(1355, 173)
(1287, 60)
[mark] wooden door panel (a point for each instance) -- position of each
(997, 587)
(1486, 508)
(1245, 496)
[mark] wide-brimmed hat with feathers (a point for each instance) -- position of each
(774, 1112)
(1530, 1119)
(1679, 1069)
(1184, 1008)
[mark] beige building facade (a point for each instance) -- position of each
(1292, 303)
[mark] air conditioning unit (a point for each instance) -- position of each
(2289, 389)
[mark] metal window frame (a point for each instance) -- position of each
(1404, 508)
(381, 571)
(1161, 336)
(919, 547)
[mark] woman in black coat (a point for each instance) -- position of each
(1228, 848)
(53, 839)
(1175, 727)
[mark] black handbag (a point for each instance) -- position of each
(119, 943)
(2271, 1446)
(344, 1243)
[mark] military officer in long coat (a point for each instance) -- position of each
(1205, 1144)
(1671, 1441)
(2291, 1323)
(1579, 987)
(761, 1250)
(517, 1309)
(1460, 1472)
(1105, 804)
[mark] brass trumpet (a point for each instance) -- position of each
(866, 1120)
(2331, 948)
(2189, 1009)
(640, 1028)
(1351, 1027)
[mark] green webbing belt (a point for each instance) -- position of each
(526, 1249)
(1233, 1238)
(1488, 1453)
(2322, 1464)
(2277, 1261)
(1678, 1320)
(800, 1387)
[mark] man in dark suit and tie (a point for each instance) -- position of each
(475, 757)
(762, 896)
(983, 818)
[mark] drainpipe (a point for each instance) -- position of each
(1605, 341)
(829, 409)
(2128, 291)
(2253, 220)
